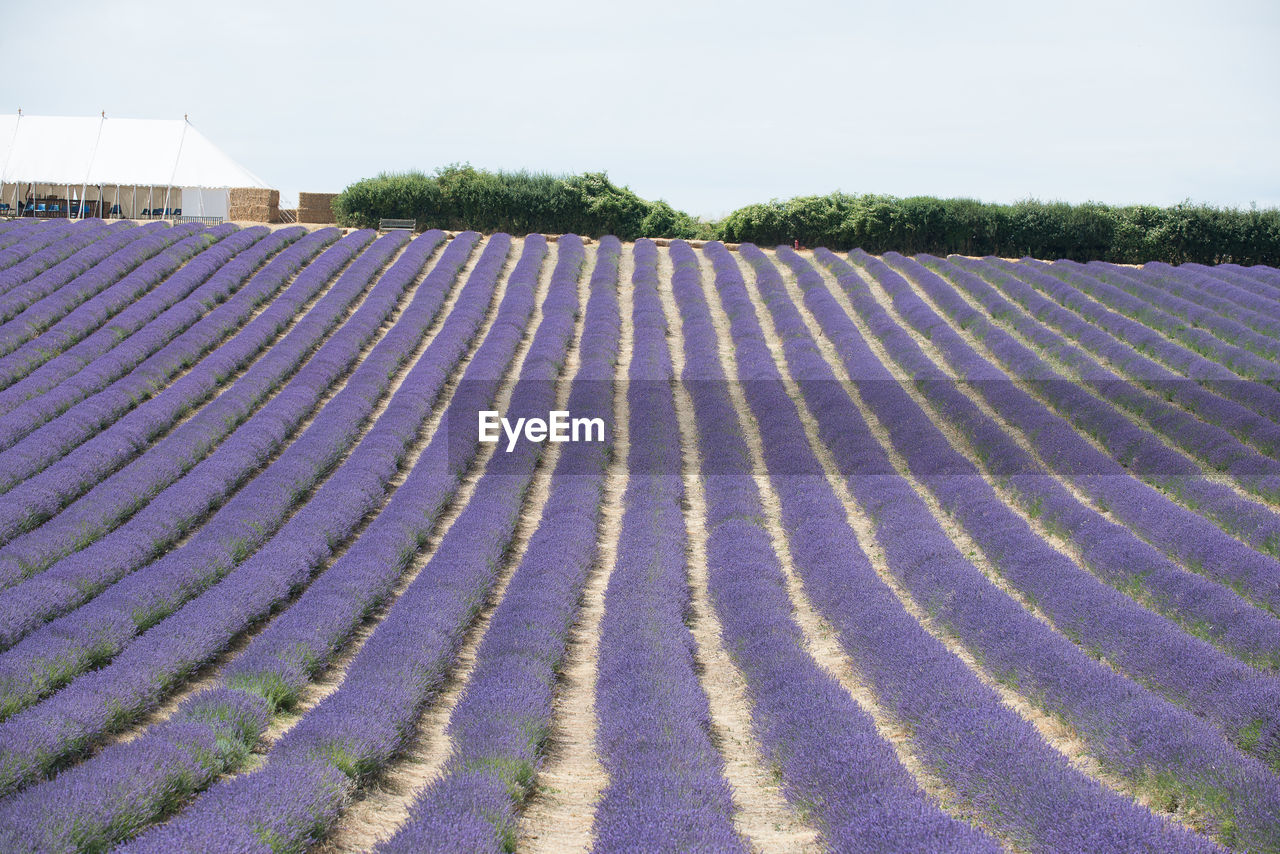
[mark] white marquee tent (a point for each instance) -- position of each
(126, 165)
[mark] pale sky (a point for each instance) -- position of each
(709, 108)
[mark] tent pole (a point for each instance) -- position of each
(177, 158)
(4, 167)
(93, 156)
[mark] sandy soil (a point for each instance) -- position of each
(762, 814)
(558, 815)
(210, 673)
(385, 804)
(1073, 375)
(1055, 732)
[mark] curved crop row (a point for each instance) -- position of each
(205, 625)
(86, 498)
(1154, 651)
(993, 760)
(1182, 533)
(83, 469)
(1220, 293)
(653, 734)
(45, 328)
(1046, 325)
(1111, 550)
(831, 758)
(143, 364)
(1185, 360)
(1113, 715)
(1245, 286)
(235, 531)
(355, 731)
(911, 553)
(1138, 450)
(61, 287)
(86, 328)
(34, 253)
(499, 725)
(27, 380)
(1203, 331)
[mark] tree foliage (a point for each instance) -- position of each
(1085, 232)
(461, 196)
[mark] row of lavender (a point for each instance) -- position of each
(1099, 414)
(1149, 556)
(1249, 795)
(1256, 735)
(97, 466)
(827, 747)
(355, 731)
(501, 722)
(1240, 550)
(1154, 651)
(204, 625)
(151, 357)
(106, 624)
(829, 773)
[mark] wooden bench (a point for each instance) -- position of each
(386, 224)
(203, 220)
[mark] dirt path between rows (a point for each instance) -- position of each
(1069, 372)
(385, 804)
(558, 816)
(210, 674)
(1056, 733)
(762, 814)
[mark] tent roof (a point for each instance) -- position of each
(96, 150)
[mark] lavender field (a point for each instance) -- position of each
(877, 553)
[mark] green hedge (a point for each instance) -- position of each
(1127, 235)
(460, 197)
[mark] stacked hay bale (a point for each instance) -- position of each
(254, 204)
(316, 207)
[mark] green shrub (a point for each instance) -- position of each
(461, 197)
(1090, 231)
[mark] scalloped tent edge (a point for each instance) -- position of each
(87, 153)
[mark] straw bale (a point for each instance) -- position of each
(253, 213)
(317, 215)
(316, 200)
(241, 196)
